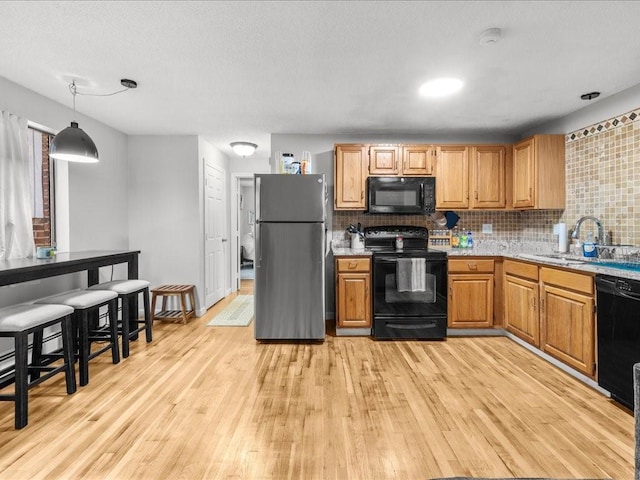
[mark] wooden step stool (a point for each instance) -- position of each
(180, 291)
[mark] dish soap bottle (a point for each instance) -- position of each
(469, 240)
(455, 238)
(589, 247)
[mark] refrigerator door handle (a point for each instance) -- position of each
(257, 193)
(258, 248)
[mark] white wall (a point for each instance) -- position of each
(595, 111)
(98, 213)
(165, 209)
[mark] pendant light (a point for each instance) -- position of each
(73, 144)
(244, 149)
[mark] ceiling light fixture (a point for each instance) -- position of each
(590, 95)
(440, 87)
(490, 36)
(244, 149)
(73, 144)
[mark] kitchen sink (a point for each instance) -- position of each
(557, 258)
(632, 266)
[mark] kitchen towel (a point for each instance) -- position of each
(411, 274)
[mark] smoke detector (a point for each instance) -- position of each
(490, 36)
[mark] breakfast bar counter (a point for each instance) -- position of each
(28, 269)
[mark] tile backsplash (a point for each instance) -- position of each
(602, 179)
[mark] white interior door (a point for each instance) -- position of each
(215, 234)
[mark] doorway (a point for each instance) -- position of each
(242, 227)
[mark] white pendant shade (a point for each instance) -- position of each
(73, 145)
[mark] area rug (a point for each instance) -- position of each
(238, 313)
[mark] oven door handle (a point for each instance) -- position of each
(411, 326)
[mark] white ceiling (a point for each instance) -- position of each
(243, 70)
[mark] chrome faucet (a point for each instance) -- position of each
(576, 229)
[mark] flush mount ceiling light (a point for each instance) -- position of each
(490, 36)
(244, 149)
(73, 144)
(590, 95)
(440, 87)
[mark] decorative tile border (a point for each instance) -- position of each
(609, 124)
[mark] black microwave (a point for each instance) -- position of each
(401, 195)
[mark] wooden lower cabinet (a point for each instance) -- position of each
(471, 286)
(353, 292)
(521, 308)
(567, 318)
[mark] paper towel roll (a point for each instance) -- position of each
(562, 237)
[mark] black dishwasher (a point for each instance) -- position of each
(618, 301)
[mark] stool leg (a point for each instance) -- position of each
(36, 354)
(67, 350)
(21, 385)
(148, 323)
(125, 326)
(183, 301)
(153, 306)
(113, 327)
(84, 348)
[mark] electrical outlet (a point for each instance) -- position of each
(487, 228)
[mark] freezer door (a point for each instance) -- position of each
(290, 198)
(289, 281)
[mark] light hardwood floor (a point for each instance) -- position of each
(210, 403)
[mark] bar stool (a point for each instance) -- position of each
(18, 321)
(85, 302)
(131, 325)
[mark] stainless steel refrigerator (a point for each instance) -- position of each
(290, 244)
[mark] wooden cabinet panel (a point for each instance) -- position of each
(539, 172)
(351, 265)
(353, 292)
(567, 321)
(521, 308)
(350, 174)
(521, 269)
(488, 176)
(571, 280)
(523, 174)
(452, 173)
(418, 160)
(383, 160)
(470, 302)
(470, 265)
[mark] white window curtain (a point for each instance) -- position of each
(16, 227)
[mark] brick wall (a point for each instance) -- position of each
(42, 226)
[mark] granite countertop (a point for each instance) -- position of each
(523, 251)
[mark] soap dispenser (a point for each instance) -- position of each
(589, 247)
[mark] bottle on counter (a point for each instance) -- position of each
(455, 239)
(464, 239)
(469, 239)
(589, 246)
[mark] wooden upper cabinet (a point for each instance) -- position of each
(418, 160)
(350, 174)
(539, 172)
(384, 160)
(487, 176)
(452, 177)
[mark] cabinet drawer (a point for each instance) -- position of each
(521, 269)
(358, 264)
(471, 265)
(562, 278)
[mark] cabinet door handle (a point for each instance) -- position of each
(476, 194)
(353, 265)
(533, 303)
(361, 194)
(450, 292)
(472, 266)
(530, 192)
(542, 305)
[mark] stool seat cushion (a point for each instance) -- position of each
(80, 299)
(24, 316)
(121, 286)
